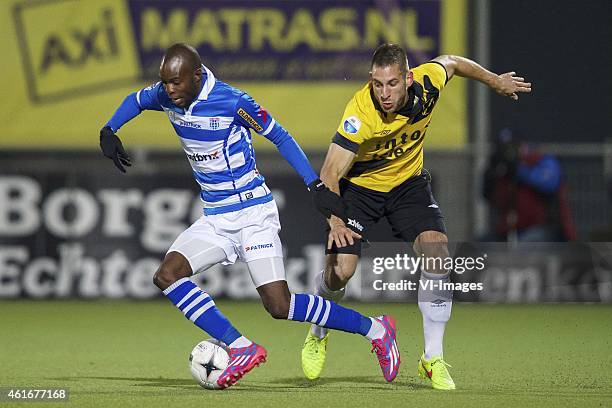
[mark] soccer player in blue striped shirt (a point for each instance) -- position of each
(213, 121)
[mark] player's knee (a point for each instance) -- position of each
(172, 269)
(278, 309)
(164, 277)
(431, 244)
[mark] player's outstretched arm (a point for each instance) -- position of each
(132, 106)
(507, 84)
(109, 142)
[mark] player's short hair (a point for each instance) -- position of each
(186, 52)
(389, 54)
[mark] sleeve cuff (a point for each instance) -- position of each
(443, 67)
(345, 143)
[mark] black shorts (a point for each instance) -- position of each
(410, 209)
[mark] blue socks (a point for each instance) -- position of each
(199, 307)
(325, 313)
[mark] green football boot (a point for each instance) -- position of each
(435, 371)
(313, 355)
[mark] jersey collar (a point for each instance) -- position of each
(208, 85)
(412, 107)
(206, 88)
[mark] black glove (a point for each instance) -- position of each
(113, 149)
(326, 201)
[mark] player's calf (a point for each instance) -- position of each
(276, 298)
(277, 309)
(339, 269)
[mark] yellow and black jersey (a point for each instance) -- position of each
(389, 146)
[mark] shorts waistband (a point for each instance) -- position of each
(425, 175)
(238, 206)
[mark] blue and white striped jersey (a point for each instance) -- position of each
(215, 135)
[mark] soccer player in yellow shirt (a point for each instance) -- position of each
(375, 162)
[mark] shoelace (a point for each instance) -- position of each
(439, 360)
(444, 365)
(384, 360)
(311, 346)
(311, 340)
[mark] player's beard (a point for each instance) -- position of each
(399, 105)
(402, 103)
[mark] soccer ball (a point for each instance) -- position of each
(207, 361)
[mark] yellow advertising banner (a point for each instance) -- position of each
(68, 64)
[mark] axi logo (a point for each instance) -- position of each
(71, 47)
(197, 157)
(258, 246)
(78, 45)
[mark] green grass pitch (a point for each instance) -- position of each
(134, 354)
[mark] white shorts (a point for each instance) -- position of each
(248, 235)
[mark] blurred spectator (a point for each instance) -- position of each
(526, 193)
